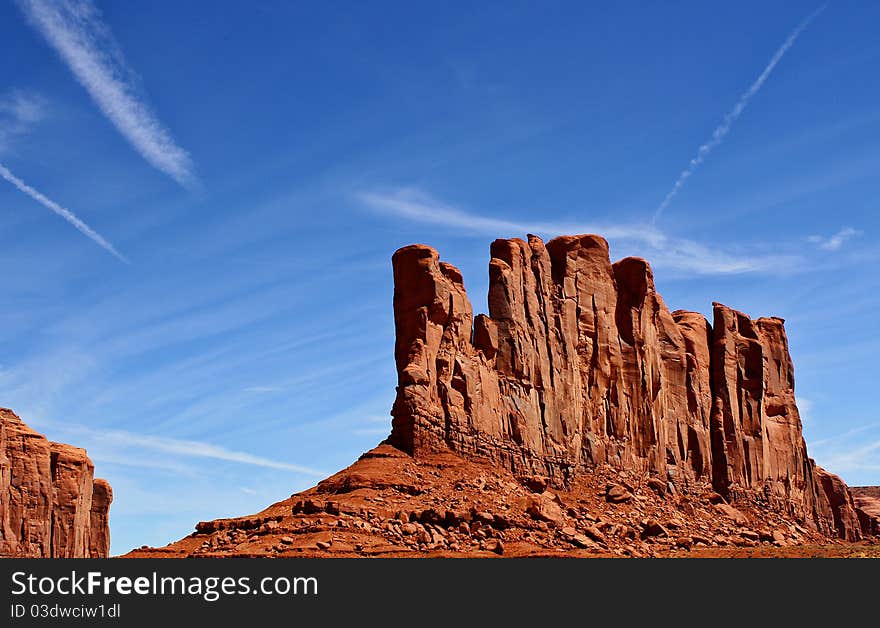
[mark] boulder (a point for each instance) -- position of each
(542, 508)
(732, 513)
(617, 494)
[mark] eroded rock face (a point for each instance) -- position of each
(50, 505)
(867, 502)
(579, 363)
(99, 519)
(840, 501)
(757, 437)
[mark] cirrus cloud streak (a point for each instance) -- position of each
(75, 30)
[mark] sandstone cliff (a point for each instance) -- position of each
(580, 364)
(50, 505)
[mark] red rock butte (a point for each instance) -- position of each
(580, 364)
(50, 504)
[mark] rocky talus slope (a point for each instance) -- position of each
(50, 504)
(440, 504)
(578, 414)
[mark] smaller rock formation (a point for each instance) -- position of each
(99, 519)
(867, 502)
(50, 504)
(840, 502)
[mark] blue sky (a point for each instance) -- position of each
(198, 209)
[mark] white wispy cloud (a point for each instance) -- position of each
(689, 256)
(121, 440)
(19, 111)
(65, 213)
(414, 204)
(261, 389)
(834, 242)
(75, 30)
(378, 425)
(805, 408)
(373, 431)
(865, 458)
(722, 130)
(843, 436)
(23, 106)
(853, 453)
(636, 239)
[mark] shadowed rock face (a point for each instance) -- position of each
(50, 505)
(579, 363)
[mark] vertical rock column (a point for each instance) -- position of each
(433, 322)
(99, 519)
(738, 383)
(787, 470)
(26, 492)
(697, 335)
(72, 475)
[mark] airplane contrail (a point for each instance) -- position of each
(75, 30)
(65, 213)
(731, 117)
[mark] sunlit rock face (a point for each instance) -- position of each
(580, 363)
(50, 504)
